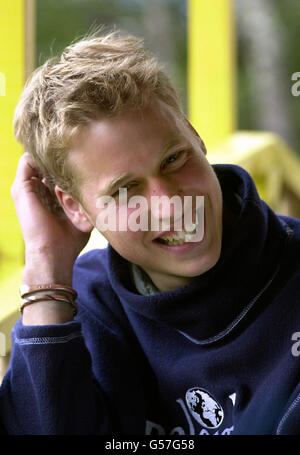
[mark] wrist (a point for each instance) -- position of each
(44, 270)
(47, 313)
(47, 266)
(42, 273)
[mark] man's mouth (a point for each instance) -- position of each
(177, 237)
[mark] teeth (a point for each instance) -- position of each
(181, 237)
(168, 241)
(191, 229)
(178, 238)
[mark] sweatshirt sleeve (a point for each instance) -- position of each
(49, 387)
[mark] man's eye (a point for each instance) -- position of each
(127, 187)
(174, 158)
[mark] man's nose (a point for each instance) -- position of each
(165, 200)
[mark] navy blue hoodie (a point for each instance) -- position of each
(217, 356)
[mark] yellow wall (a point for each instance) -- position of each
(12, 63)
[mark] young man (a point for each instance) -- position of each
(174, 334)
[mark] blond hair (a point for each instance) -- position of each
(95, 77)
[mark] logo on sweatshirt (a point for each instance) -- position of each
(204, 408)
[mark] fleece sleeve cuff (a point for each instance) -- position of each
(53, 333)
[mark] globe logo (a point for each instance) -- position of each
(204, 408)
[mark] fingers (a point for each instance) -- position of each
(26, 168)
(27, 175)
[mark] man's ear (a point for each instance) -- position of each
(203, 148)
(74, 210)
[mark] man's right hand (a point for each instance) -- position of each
(52, 244)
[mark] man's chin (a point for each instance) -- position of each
(198, 266)
(172, 277)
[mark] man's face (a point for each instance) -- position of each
(157, 156)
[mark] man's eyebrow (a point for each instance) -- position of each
(117, 182)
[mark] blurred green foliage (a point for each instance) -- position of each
(289, 14)
(286, 14)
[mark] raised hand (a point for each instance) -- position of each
(52, 243)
